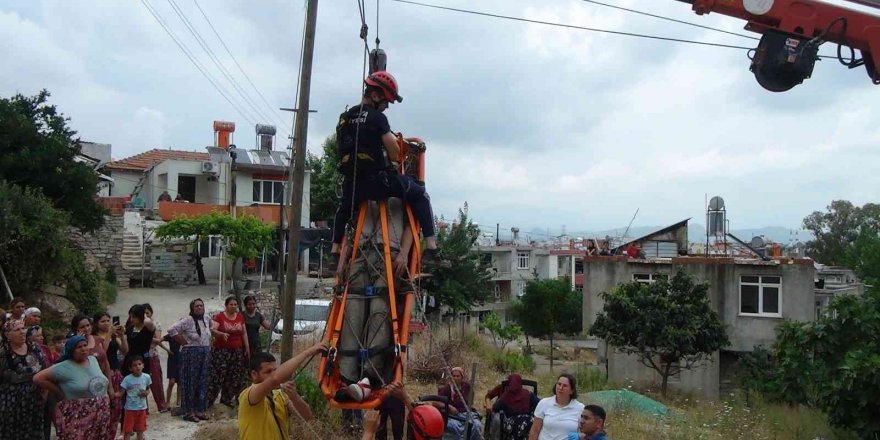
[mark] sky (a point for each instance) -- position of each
(533, 126)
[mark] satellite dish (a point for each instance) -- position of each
(716, 203)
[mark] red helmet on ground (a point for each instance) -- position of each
(426, 423)
(386, 82)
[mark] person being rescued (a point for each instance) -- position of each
(367, 148)
(459, 391)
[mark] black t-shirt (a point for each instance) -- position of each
(113, 354)
(367, 125)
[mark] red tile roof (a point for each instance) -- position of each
(142, 161)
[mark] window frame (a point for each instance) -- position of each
(760, 284)
(212, 238)
(520, 288)
(653, 276)
(523, 256)
(259, 183)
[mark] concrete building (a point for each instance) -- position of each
(569, 266)
(221, 178)
(751, 296)
(833, 281)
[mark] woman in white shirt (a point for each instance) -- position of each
(558, 415)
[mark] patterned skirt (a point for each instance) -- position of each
(193, 388)
(83, 419)
(228, 375)
(21, 411)
(116, 404)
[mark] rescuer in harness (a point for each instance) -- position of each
(367, 148)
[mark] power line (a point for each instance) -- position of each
(634, 11)
(195, 62)
(571, 26)
(195, 33)
(234, 60)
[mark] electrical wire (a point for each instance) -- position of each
(193, 59)
(674, 20)
(571, 26)
(584, 28)
(213, 57)
(240, 69)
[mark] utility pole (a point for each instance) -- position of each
(295, 183)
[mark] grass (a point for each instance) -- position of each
(692, 419)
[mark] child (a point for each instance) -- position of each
(136, 386)
(172, 368)
(57, 346)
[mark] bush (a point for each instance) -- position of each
(308, 388)
(511, 362)
(590, 379)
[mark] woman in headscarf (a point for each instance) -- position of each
(517, 404)
(458, 391)
(21, 402)
(32, 317)
(117, 344)
(82, 390)
(193, 333)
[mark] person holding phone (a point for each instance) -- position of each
(109, 330)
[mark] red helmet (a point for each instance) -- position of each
(386, 82)
(426, 423)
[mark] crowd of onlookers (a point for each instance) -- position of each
(91, 380)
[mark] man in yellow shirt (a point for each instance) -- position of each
(263, 411)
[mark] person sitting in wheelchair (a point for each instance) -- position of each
(516, 404)
(459, 392)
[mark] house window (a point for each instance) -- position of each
(497, 292)
(522, 260)
(520, 288)
(760, 296)
(648, 278)
(210, 248)
(268, 191)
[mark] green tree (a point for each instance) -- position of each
(837, 228)
(832, 364)
(467, 281)
(668, 324)
(33, 238)
(38, 150)
(325, 181)
(243, 237)
(548, 308)
(501, 334)
(863, 256)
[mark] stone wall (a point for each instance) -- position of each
(172, 265)
(103, 248)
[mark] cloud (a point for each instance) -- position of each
(533, 125)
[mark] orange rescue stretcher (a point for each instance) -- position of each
(368, 325)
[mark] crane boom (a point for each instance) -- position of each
(793, 30)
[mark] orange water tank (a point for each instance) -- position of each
(223, 133)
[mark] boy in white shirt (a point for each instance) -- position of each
(136, 386)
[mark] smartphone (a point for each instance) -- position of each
(115, 320)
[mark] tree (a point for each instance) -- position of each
(38, 150)
(34, 245)
(501, 334)
(325, 181)
(668, 324)
(468, 280)
(863, 256)
(832, 364)
(548, 308)
(244, 236)
(837, 228)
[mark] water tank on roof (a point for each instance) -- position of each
(716, 223)
(716, 203)
(759, 242)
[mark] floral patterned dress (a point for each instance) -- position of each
(21, 402)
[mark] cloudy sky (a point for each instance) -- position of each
(534, 126)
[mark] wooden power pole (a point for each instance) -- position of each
(295, 182)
